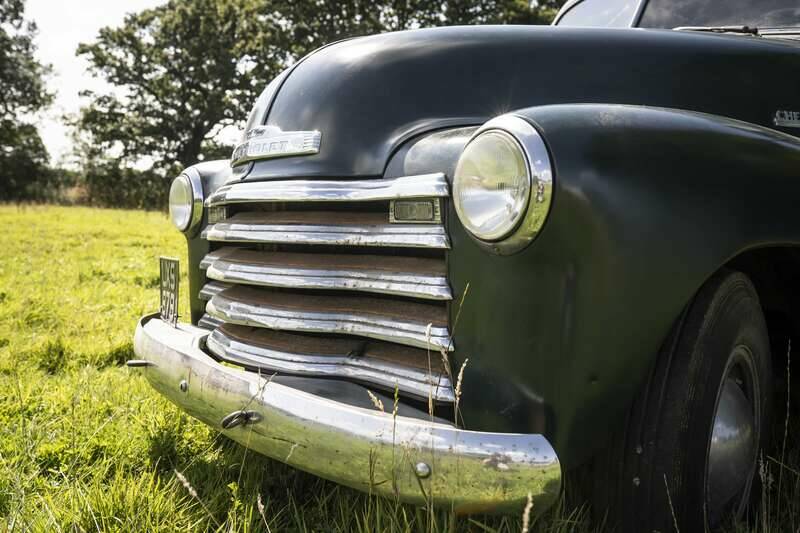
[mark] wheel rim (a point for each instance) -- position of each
(733, 446)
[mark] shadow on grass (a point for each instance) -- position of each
(52, 357)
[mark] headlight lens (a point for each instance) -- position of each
(181, 202)
(492, 185)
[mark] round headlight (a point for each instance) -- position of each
(491, 185)
(185, 202)
(502, 186)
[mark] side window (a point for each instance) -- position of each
(601, 14)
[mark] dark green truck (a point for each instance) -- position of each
(463, 265)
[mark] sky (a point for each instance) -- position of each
(62, 25)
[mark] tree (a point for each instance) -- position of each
(23, 157)
(184, 71)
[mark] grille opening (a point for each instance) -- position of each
(323, 249)
(332, 207)
(285, 275)
(389, 299)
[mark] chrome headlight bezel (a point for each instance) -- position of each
(192, 186)
(528, 221)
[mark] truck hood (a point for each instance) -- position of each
(369, 95)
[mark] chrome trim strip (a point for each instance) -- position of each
(411, 459)
(209, 258)
(432, 287)
(400, 235)
(211, 289)
(421, 186)
(780, 31)
(407, 379)
(214, 255)
(347, 323)
(209, 322)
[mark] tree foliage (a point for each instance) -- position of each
(185, 70)
(23, 157)
(313, 24)
(21, 75)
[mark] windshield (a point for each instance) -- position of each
(754, 13)
(601, 13)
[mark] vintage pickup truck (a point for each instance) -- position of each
(461, 265)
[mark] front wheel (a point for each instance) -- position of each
(688, 458)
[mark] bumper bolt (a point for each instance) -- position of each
(422, 470)
(240, 418)
(138, 363)
(183, 385)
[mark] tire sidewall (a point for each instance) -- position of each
(730, 316)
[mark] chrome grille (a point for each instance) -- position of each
(316, 227)
(311, 278)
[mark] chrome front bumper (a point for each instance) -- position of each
(395, 456)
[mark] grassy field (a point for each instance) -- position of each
(86, 445)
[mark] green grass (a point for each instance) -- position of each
(86, 445)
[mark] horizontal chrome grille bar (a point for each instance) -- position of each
(409, 323)
(209, 322)
(257, 349)
(403, 276)
(325, 229)
(210, 289)
(213, 255)
(421, 186)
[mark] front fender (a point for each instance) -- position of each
(648, 203)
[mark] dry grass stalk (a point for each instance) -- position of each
(291, 451)
(430, 371)
(766, 484)
(262, 512)
(671, 508)
(443, 351)
(460, 305)
(394, 439)
(188, 486)
(446, 362)
(459, 382)
(788, 410)
(396, 403)
(460, 379)
(375, 401)
(526, 514)
(193, 493)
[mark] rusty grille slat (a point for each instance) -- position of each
(403, 276)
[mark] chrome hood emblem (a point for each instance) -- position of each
(265, 142)
(787, 119)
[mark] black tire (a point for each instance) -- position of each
(655, 476)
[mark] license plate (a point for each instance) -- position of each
(170, 276)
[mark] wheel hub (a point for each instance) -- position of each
(732, 449)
